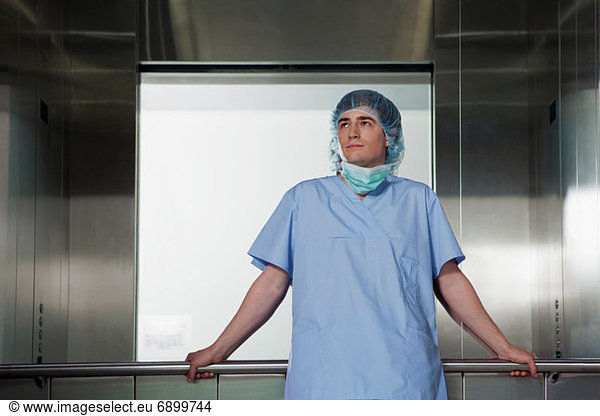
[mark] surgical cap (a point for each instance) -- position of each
(384, 111)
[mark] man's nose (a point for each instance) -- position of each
(353, 132)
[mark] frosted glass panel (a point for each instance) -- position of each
(215, 156)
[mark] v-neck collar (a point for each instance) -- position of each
(353, 197)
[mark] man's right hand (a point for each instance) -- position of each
(264, 296)
(200, 358)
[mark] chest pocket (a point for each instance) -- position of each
(408, 270)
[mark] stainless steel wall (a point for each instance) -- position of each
(67, 174)
(517, 166)
(447, 143)
(284, 31)
(17, 153)
(566, 175)
(101, 161)
(33, 267)
(482, 159)
(580, 176)
(546, 200)
(51, 276)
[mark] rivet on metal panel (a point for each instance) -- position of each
(41, 321)
(556, 304)
(40, 334)
(554, 377)
(557, 317)
(40, 347)
(557, 330)
(557, 343)
(41, 308)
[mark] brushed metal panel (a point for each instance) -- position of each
(9, 42)
(503, 387)
(37, 63)
(495, 164)
(101, 44)
(447, 145)
(251, 387)
(101, 285)
(174, 388)
(546, 205)
(493, 15)
(575, 387)
(9, 52)
(23, 389)
(570, 190)
(455, 387)
(51, 229)
(271, 30)
(92, 388)
(579, 176)
(27, 110)
(38, 209)
(8, 238)
(100, 39)
(582, 313)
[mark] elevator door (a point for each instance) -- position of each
(215, 155)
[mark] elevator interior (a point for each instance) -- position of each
(516, 155)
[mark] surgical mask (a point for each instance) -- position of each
(363, 180)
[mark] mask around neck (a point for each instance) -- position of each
(364, 180)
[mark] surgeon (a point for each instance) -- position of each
(365, 251)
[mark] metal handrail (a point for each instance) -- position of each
(138, 369)
(265, 367)
(543, 366)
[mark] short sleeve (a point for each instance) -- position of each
(443, 243)
(275, 242)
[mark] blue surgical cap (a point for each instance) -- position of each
(378, 106)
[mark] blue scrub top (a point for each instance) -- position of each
(362, 274)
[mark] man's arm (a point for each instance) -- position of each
(264, 296)
(458, 296)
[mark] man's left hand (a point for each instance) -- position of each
(520, 356)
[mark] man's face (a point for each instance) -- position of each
(361, 139)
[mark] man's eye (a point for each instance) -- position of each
(366, 123)
(343, 124)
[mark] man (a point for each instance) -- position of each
(365, 252)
